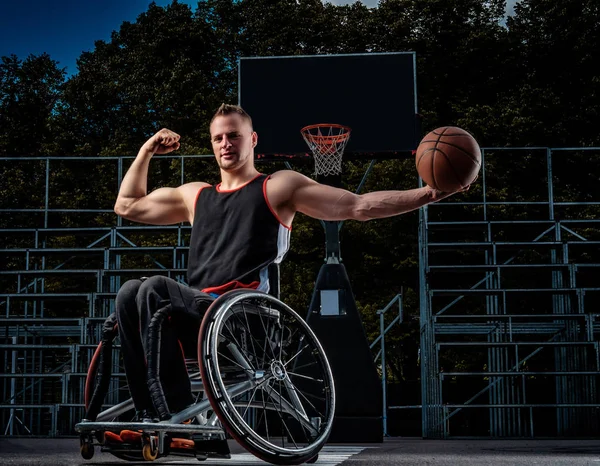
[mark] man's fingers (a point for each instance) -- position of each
(165, 149)
(164, 141)
(167, 137)
(169, 141)
(173, 137)
(467, 187)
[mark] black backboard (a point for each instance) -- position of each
(373, 93)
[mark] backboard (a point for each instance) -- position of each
(373, 93)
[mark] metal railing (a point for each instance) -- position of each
(509, 332)
(508, 298)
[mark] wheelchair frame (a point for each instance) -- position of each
(265, 380)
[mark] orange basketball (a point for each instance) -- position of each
(448, 158)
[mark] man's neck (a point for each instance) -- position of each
(231, 180)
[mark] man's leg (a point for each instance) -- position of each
(132, 350)
(188, 307)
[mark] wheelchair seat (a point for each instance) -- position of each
(261, 376)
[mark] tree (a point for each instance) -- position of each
(29, 94)
(557, 45)
(161, 71)
(530, 83)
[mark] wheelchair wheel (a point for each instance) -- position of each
(91, 386)
(266, 377)
(90, 382)
(90, 379)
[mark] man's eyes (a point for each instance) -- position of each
(230, 136)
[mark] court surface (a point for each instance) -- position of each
(393, 451)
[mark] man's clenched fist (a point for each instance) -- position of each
(163, 142)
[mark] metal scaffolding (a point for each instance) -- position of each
(509, 295)
(58, 283)
(509, 332)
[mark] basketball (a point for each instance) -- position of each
(448, 159)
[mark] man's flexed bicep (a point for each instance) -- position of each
(164, 206)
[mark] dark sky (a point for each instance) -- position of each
(64, 28)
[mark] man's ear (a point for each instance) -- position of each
(254, 139)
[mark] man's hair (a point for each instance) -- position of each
(228, 109)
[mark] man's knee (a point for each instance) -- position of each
(153, 294)
(155, 284)
(127, 293)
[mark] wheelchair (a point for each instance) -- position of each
(261, 377)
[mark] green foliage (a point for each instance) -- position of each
(529, 83)
(29, 94)
(556, 47)
(161, 71)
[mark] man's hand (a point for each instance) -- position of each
(437, 195)
(163, 142)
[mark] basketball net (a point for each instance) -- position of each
(327, 143)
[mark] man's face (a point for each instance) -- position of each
(233, 141)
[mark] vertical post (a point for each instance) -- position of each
(550, 184)
(332, 242)
(483, 189)
(431, 395)
(54, 414)
(47, 190)
(342, 335)
(119, 179)
(383, 372)
(13, 388)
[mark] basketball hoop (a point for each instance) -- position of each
(327, 143)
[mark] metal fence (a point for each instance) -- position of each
(509, 294)
(509, 300)
(60, 276)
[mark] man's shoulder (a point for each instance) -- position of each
(282, 185)
(189, 191)
(193, 186)
(287, 176)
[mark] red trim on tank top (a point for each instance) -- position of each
(198, 195)
(219, 190)
(234, 285)
(269, 204)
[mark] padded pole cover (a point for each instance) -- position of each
(358, 386)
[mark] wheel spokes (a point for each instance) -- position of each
(285, 405)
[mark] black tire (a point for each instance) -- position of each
(91, 377)
(86, 448)
(266, 377)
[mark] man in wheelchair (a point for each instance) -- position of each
(239, 228)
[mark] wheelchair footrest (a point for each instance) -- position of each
(147, 427)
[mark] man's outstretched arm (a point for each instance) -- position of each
(329, 203)
(164, 206)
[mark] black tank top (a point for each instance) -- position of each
(235, 237)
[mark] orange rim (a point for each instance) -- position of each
(327, 139)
